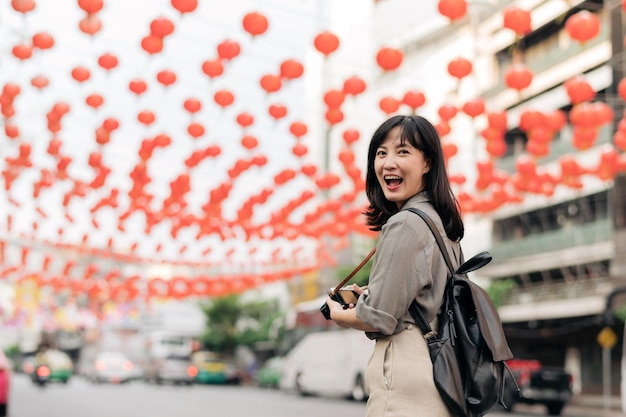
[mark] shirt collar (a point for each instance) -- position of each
(420, 197)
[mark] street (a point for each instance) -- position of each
(80, 398)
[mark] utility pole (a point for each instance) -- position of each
(607, 339)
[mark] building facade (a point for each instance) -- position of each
(559, 253)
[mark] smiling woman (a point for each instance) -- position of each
(406, 169)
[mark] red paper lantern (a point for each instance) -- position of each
(195, 130)
(81, 74)
(298, 129)
(291, 69)
(518, 77)
(138, 86)
(245, 119)
(146, 117)
(619, 139)
(299, 150)
(11, 130)
(334, 98)
(389, 58)
(531, 119)
(228, 49)
(213, 67)
(350, 136)
(91, 6)
(110, 124)
(414, 99)
(249, 142)
(39, 81)
(185, 6)
(108, 61)
(579, 90)
(43, 40)
(22, 51)
(496, 148)
(309, 170)
(23, 6)
(354, 85)
(224, 98)
(326, 42)
(518, 20)
(94, 100)
(255, 23)
(621, 89)
(192, 105)
(11, 90)
(333, 116)
(271, 83)
(152, 44)
(584, 138)
(583, 26)
(475, 107)
(90, 24)
(166, 77)
(497, 121)
(277, 111)
(447, 112)
(443, 128)
(459, 67)
(161, 27)
(555, 120)
(389, 105)
(452, 9)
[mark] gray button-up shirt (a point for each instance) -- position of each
(408, 265)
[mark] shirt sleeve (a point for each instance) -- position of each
(401, 271)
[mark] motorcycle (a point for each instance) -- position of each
(41, 375)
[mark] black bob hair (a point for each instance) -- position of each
(421, 134)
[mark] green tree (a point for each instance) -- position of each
(360, 278)
(231, 322)
(498, 289)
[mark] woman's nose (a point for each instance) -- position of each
(390, 161)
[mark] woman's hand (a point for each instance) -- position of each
(357, 289)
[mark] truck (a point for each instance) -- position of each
(538, 384)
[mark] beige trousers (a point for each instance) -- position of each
(399, 378)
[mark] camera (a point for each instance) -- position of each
(343, 296)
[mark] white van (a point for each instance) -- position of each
(330, 363)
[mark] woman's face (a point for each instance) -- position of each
(400, 168)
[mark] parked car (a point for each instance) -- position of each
(547, 385)
(268, 374)
(328, 363)
(111, 367)
(5, 383)
(214, 369)
(172, 368)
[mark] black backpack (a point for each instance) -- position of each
(469, 348)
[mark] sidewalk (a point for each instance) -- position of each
(594, 406)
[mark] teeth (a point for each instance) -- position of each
(392, 177)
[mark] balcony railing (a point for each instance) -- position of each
(558, 291)
(576, 235)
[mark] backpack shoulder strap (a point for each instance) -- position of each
(437, 235)
(414, 310)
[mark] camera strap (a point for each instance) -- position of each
(354, 271)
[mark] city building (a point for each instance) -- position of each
(558, 252)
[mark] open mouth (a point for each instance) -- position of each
(393, 180)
